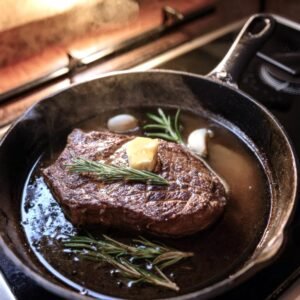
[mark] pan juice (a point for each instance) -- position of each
(219, 250)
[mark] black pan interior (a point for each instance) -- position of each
(219, 251)
(56, 116)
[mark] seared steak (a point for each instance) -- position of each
(193, 200)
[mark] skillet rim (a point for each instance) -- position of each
(217, 288)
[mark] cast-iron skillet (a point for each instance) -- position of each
(216, 93)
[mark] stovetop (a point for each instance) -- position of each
(284, 102)
(277, 90)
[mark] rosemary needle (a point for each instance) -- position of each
(166, 129)
(110, 173)
(130, 260)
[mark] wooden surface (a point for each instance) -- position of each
(53, 56)
(69, 33)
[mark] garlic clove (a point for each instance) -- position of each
(197, 141)
(122, 123)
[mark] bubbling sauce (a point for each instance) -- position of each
(219, 250)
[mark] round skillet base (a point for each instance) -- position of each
(60, 113)
(218, 251)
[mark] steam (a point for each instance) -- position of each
(31, 26)
(19, 12)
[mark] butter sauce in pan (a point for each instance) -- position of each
(218, 251)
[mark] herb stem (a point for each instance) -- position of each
(111, 173)
(130, 260)
(169, 130)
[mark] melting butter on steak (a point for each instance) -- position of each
(194, 199)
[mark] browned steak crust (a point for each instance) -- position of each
(193, 200)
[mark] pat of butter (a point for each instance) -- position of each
(142, 153)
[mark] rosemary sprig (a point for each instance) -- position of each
(130, 260)
(169, 130)
(111, 173)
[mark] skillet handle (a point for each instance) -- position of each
(252, 36)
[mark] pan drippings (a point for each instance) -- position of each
(219, 250)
